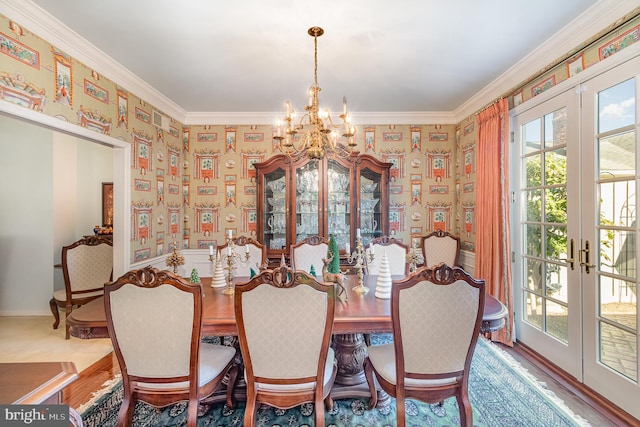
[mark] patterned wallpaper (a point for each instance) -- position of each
(191, 184)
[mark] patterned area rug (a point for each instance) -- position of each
(501, 391)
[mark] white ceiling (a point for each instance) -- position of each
(249, 56)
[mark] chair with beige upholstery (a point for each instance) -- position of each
(86, 266)
(287, 357)
(396, 252)
(243, 246)
(436, 316)
(154, 318)
(309, 252)
(440, 246)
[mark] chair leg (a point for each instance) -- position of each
(319, 412)
(368, 373)
(192, 412)
(250, 412)
(464, 407)
(231, 385)
(125, 415)
(67, 312)
(367, 339)
(402, 422)
(56, 314)
(328, 402)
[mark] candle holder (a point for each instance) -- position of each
(175, 259)
(414, 258)
(232, 260)
(360, 256)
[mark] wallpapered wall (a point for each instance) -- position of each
(193, 183)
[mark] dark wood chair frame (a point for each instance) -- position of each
(150, 277)
(441, 275)
(284, 277)
(75, 298)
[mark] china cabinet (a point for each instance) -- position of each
(299, 197)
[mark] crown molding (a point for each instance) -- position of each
(387, 118)
(585, 26)
(592, 21)
(50, 29)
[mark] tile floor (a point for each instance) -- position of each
(33, 339)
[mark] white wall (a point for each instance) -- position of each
(26, 218)
(43, 174)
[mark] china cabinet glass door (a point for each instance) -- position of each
(371, 220)
(307, 201)
(339, 202)
(275, 212)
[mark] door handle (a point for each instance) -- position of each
(571, 261)
(585, 263)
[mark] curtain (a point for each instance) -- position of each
(493, 244)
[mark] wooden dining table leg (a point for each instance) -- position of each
(351, 351)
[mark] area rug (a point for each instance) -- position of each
(502, 393)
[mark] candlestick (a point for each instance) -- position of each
(360, 257)
(210, 250)
(233, 259)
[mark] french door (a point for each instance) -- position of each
(578, 168)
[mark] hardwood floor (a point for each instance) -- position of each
(90, 381)
(580, 399)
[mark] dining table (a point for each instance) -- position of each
(357, 316)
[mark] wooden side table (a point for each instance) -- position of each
(33, 383)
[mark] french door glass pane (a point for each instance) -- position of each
(534, 311)
(616, 106)
(556, 320)
(619, 350)
(531, 137)
(534, 200)
(545, 223)
(556, 282)
(617, 178)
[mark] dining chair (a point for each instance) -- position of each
(287, 354)
(154, 319)
(440, 246)
(396, 252)
(242, 246)
(436, 315)
(87, 265)
(309, 252)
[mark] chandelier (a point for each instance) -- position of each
(315, 132)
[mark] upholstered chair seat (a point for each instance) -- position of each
(86, 266)
(287, 354)
(436, 315)
(154, 320)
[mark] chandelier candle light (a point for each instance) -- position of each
(319, 134)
